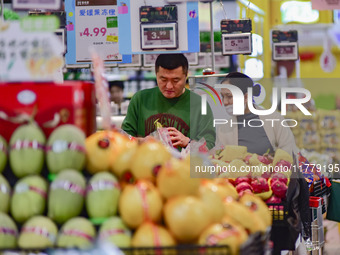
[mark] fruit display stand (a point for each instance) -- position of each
(63, 181)
(58, 192)
(255, 245)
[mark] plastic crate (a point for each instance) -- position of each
(171, 250)
(180, 250)
(255, 245)
(279, 213)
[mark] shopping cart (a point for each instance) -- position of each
(317, 237)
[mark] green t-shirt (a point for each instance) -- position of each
(183, 113)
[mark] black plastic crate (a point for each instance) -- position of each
(279, 213)
(255, 245)
(170, 250)
(179, 250)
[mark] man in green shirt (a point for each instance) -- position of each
(172, 105)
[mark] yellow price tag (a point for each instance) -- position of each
(112, 38)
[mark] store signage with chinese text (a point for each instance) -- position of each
(93, 25)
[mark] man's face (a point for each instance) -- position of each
(171, 82)
(116, 94)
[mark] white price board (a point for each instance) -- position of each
(97, 28)
(159, 36)
(285, 51)
(137, 36)
(236, 44)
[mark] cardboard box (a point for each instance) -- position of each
(50, 104)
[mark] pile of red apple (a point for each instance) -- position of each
(271, 185)
(272, 188)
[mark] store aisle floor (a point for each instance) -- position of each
(332, 238)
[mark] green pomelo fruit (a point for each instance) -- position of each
(5, 194)
(114, 230)
(66, 198)
(3, 153)
(8, 232)
(38, 232)
(77, 232)
(29, 198)
(102, 196)
(30, 160)
(67, 144)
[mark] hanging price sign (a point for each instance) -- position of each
(97, 28)
(236, 37)
(236, 44)
(285, 46)
(159, 27)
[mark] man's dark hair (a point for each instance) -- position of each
(243, 82)
(119, 84)
(172, 61)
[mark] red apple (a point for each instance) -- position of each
(246, 191)
(284, 164)
(242, 179)
(266, 175)
(279, 188)
(243, 186)
(265, 159)
(246, 159)
(260, 185)
(274, 200)
(279, 176)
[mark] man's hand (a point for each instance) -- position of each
(177, 138)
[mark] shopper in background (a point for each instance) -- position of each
(117, 91)
(256, 137)
(117, 95)
(171, 105)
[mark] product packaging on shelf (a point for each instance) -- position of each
(49, 104)
(329, 120)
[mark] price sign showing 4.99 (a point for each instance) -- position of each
(96, 32)
(97, 28)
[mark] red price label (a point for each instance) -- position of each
(95, 32)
